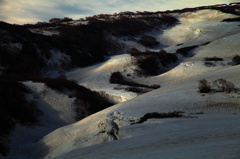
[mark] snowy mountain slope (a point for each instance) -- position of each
(101, 73)
(196, 28)
(222, 38)
(203, 137)
(216, 118)
(103, 124)
(173, 121)
(209, 125)
(32, 51)
(59, 102)
(54, 105)
(56, 111)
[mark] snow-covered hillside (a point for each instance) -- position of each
(209, 127)
(170, 118)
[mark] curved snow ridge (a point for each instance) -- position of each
(195, 66)
(95, 129)
(204, 15)
(225, 47)
(97, 77)
(197, 28)
(179, 34)
(102, 71)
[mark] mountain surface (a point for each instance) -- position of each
(129, 85)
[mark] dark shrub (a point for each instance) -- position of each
(127, 26)
(140, 90)
(87, 102)
(59, 20)
(137, 90)
(209, 64)
(186, 50)
(7, 125)
(236, 60)
(204, 86)
(117, 78)
(180, 44)
(13, 102)
(66, 19)
(149, 65)
(149, 62)
(231, 20)
(223, 85)
(213, 59)
(209, 61)
(84, 44)
(206, 43)
(155, 86)
(148, 41)
(167, 58)
(4, 150)
(123, 26)
(220, 85)
(24, 61)
(133, 51)
(14, 109)
(229, 9)
(54, 20)
(175, 114)
(38, 25)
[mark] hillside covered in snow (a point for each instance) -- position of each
(128, 85)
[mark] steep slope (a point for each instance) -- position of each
(173, 120)
(208, 122)
(183, 96)
(39, 107)
(30, 52)
(215, 39)
(181, 138)
(51, 49)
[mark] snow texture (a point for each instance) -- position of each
(210, 126)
